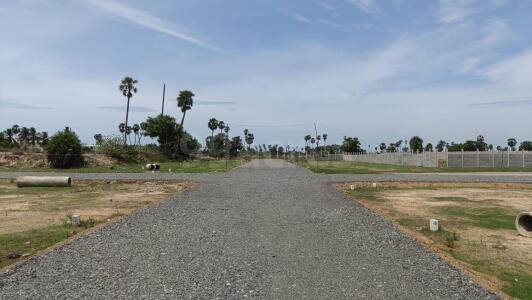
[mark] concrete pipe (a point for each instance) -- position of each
(152, 167)
(523, 224)
(43, 181)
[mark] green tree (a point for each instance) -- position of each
(429, 147)
(350, 145)
(526, 145)
(166, 130)
(325, 136)
(128, 89)
(382, 147)
(64, 150)
(512, 142)
(98, 138)
(416, 144)
(250, 137)
(440, 146)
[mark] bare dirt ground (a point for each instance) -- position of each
(480, 214)
(30, 208)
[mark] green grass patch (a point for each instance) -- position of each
(519, 285)
(27, 243)
(490, 217)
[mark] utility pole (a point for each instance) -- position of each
(317, 157)
(164, 90)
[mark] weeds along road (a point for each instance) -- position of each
(265, 230)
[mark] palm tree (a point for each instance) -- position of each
(213, 125)
(307, 138)
(185, 102)
(24, 136)
(318, 139)
(312, 141)
(32, 136)
(221, 125)
(249, 139)
(325, 139)
(128, 89)
(9, 134)
(136, 130)
(226, 130)
(122, 128)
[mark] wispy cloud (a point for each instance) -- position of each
(510, 103)
(18, 105)
(297, 17)
(131, 108)
(326, 5)
(145, 19)
(368, 6)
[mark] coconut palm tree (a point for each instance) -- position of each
(512, 142)
(213, 125)
(307, 138)
(122, 128)
(325, 136)
(128, 89)
(312, 141)
(24, 136)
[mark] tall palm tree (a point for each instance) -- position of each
(312, 141)
(221, 125)
(24, 136)
(32, 136)
(213, 125)
(325, 136)
(136, 130)
(128, 89)
(307, 138)
(185, 102)
(249, 139)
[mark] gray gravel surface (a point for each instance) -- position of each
(266, 230)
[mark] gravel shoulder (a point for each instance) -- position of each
(268, 230)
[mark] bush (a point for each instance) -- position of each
(113, 146)
(64, 150)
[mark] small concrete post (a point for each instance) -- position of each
(509, 157)
(434, 225)
(75, 220)
(523, 152)
(493, 158)
(478, 159)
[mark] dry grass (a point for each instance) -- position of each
(482, 216)
(32, 219)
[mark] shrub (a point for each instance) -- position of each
(64, 150)
(113, 146)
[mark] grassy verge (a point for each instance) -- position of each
(347, 167)
(32, 219)
(196, 166)
(477, 226)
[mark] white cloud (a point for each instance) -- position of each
(515, 71)
(453, 11)
(368, 6)
(147, 20)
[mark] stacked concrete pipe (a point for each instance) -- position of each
(523, 223)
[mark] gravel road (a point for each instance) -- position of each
(265, 230)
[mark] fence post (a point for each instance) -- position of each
(523, 151)
(462, 158)
(509, 158)
(493, 158)
(478, 159)
(447, 155)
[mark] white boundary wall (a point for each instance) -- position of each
(476, 159)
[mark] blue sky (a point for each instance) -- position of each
(379, 70)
